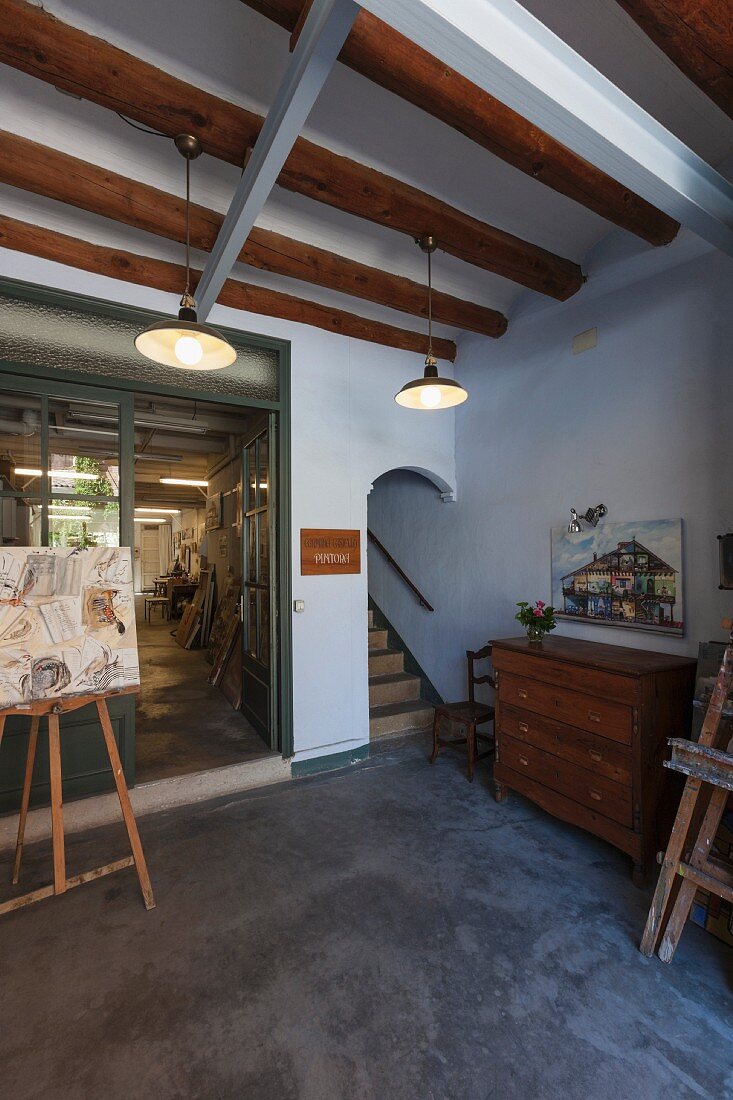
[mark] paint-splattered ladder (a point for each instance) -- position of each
(704, 764)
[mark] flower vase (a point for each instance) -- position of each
(534, 633)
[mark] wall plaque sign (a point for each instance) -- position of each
(324, 551)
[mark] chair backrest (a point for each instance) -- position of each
(472, 656)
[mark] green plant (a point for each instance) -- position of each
(102, 487)
(538, 619)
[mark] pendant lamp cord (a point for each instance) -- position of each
(430, 304)
(188, 228)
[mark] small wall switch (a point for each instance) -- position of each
(298, 605)
(584, 341)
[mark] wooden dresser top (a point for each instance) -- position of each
(606, 658)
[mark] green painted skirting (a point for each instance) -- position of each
(330, 763)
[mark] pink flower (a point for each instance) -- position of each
(540, 603)
(537, 613)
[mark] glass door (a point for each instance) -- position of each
(259, 591)
(66, 479)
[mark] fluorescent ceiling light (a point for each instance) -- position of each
(183, 481)
(58, 475)
(160, 421)
(57, 516)
(153, 456)
(70, 507)
(84, 430)
(151, 519)
(161, 511)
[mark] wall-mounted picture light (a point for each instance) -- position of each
(591, 517)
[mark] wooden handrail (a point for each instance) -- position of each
(373, 538)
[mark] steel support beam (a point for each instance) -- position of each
(502, 48)
(323, 34)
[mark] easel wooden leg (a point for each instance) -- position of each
(30, 761)
(669, 867)
(125, 805)
(57, 816)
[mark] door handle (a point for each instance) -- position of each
(595, 755)
(595, 795)
(521, 693)
(524, 727)
(523, 760)
(594, 716)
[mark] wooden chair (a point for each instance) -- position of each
(468, 714)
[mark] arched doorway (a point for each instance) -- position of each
(406, 521)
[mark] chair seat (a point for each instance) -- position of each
(466, 711)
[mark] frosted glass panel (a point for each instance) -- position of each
(89, 343)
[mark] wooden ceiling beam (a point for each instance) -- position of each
(37, 43)
(697, 35)
(161, 275)
(389, 59)
(44, 171)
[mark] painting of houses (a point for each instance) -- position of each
(620, 574)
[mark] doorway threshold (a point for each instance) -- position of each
(152, 797)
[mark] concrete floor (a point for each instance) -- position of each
(182, 723)
(384, 933)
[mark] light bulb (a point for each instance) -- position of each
(188, 350)
(430, 396)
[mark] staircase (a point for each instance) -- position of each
(395, 705)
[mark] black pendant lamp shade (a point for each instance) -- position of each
(431, 391)
(186, 342)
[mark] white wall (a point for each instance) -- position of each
(346, 431)
(642, 423)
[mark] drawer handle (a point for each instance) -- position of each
(523, 760)
(595, 755)
(521, 692)
(524, 727)
(595, 794)
(594, 716)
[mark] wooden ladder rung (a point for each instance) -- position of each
(720, 883)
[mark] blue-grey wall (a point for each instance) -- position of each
(643, 423)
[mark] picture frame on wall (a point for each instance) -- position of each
(627, 575)
(214, 512)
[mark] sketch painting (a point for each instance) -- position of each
(67, 623)
(620, 574)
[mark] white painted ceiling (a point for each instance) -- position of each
(228, 49)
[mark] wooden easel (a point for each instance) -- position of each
(703, 763)
(53, 708)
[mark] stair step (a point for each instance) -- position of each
(395, 687)
(382, 661)
(410, 714)
(377, 638)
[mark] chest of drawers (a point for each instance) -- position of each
(582, 728)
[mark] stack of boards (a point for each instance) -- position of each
(195, 624)
(225, 646)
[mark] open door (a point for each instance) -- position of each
(259, 591)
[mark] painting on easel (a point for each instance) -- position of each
(67, 623)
